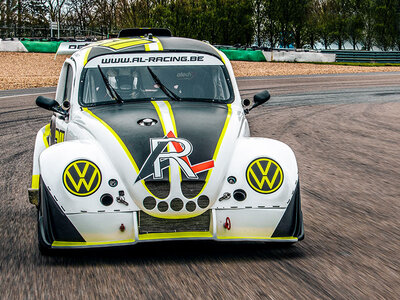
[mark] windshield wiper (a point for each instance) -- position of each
(111, 90)
(170, 94)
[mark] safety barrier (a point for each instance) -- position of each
(298, 56)
(392, 57)
(244, 55)
(12, 46)
(41, 46)
(279, 55)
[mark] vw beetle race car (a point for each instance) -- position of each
(148, 141)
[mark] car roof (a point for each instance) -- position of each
(143, 44)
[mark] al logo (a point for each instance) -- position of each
(82, 178)
(264, 175)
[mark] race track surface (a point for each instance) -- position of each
(345, 131)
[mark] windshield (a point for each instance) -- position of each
(165, 77)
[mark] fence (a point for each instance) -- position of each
(45, 32)
(386, 57)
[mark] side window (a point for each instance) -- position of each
(68, 84)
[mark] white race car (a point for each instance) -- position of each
(148, 141)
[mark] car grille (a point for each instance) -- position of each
(191, 189)
(149, 224)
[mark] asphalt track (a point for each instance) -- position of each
(345, 131)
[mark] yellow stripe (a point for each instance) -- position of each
(219, 52)
(160, 46)
(45, 135)
(160, 116)
(228, 117)
(124, 44)
(82, 244)
(35, 181)
(290, 238)
(222, 58)
(172, 117)
(164, 129)
(85, 59)
(174, 235)
(116, 136)
(221, 138)
(171, 114)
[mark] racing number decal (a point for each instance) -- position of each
(82, 178)
(264, 175)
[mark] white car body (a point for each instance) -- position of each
(105, 140)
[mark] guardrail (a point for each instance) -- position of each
(392, 57)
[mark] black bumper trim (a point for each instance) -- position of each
(291, 223)
(53, 224)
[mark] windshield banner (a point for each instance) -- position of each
(153, 59)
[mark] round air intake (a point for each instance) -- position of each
(190, 206)
(106, 199)
(162, 206)
(239, 195)
(149, 203)
(203, 201)
(176, 204)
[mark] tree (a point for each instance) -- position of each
(386, 24)
(271, 22)
(300, 15)
(356, 22)
(312, 34)
(368, 15)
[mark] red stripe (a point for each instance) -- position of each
(196, 168)
(203, 166)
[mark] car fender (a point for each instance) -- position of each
(248, 150)
(53, 170)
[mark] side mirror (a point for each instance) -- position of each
(50, 104)
(259, 98)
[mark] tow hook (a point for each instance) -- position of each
(121, 198)
(227, 224)
(225, 196)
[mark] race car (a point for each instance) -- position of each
(149, 141)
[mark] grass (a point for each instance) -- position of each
(357, 64)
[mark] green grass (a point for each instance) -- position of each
(358, 64)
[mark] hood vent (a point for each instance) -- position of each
(160, 189)
(191, 189)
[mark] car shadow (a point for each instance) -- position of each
(178, 252)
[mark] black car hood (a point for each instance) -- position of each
(202, 124)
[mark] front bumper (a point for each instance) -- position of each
(91, 230)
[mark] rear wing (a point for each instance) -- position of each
(137, 32)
